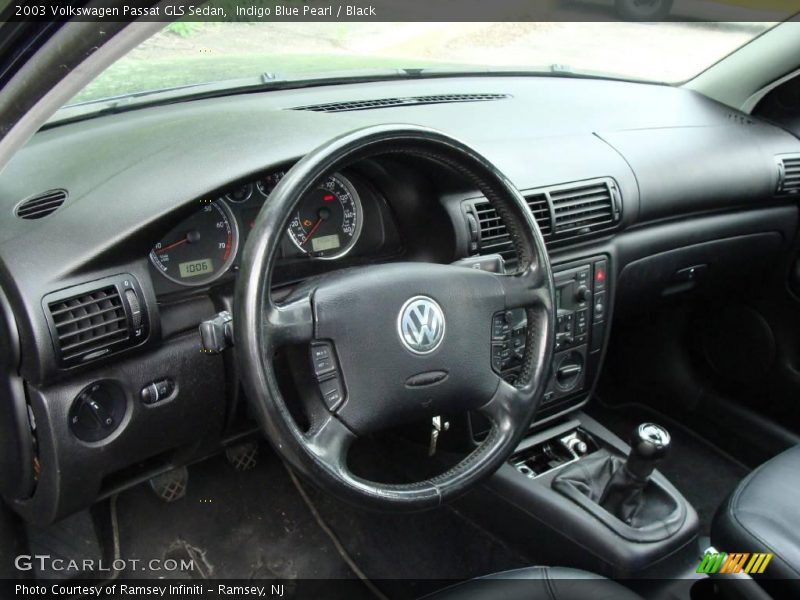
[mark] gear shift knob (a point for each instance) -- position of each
(649, 444)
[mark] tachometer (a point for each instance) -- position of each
(328, 220)
(201, 248)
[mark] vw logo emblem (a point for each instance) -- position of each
(420, 325)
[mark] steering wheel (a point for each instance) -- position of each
(407, 340)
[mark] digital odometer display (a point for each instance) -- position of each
(200, 249)
(326, 242)
(328, 220)
(195, 268)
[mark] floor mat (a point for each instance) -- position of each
(702, 473)
(401, 551)
(255, 524)
(235, 525)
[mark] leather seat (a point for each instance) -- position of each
(537, 583)
(762, 515)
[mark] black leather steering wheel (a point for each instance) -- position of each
(411, 340)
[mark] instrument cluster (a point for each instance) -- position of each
(327, 225)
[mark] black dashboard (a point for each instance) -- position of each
(641, 191)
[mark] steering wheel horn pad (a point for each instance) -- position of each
(412, 340)
(359, 312)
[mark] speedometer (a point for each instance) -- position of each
(328, 220)
(200, 249)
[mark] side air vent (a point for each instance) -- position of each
(93, 320)
(41, 205)
(584, 208)
(564, 213)
(395, 102)
(788, 175)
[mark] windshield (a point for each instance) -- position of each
(188, 54)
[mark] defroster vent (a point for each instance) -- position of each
(373, 104)
(93, 320)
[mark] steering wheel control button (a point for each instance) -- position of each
(331, 390)
(509, 333)
(322, 359)
(421, 325)
(501, 326)
(326, 370)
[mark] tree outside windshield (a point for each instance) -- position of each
(186, 53)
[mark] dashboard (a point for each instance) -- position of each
(120, 235)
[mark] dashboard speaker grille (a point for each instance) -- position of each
(395, 102)
(89, 323)
(41, 205)
(789, 175)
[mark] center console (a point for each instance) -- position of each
(588, 498)
(594, 501)
(582, 292)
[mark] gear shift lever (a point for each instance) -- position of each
(649, 444)
(623, 494)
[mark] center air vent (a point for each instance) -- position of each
(789, 175)
(493, 236)
(41, 205)
(584, 208)
(395, 102)
(564, 213)
(93, 320)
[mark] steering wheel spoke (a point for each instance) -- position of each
(505, 408)
(526, 289)
(330, 441)
(291, 322)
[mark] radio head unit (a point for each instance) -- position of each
(580, 296)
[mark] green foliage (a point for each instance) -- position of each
(183, 29)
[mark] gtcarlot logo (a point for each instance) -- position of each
(45, 562)
(734, 562)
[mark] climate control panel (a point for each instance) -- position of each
(581, 293)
